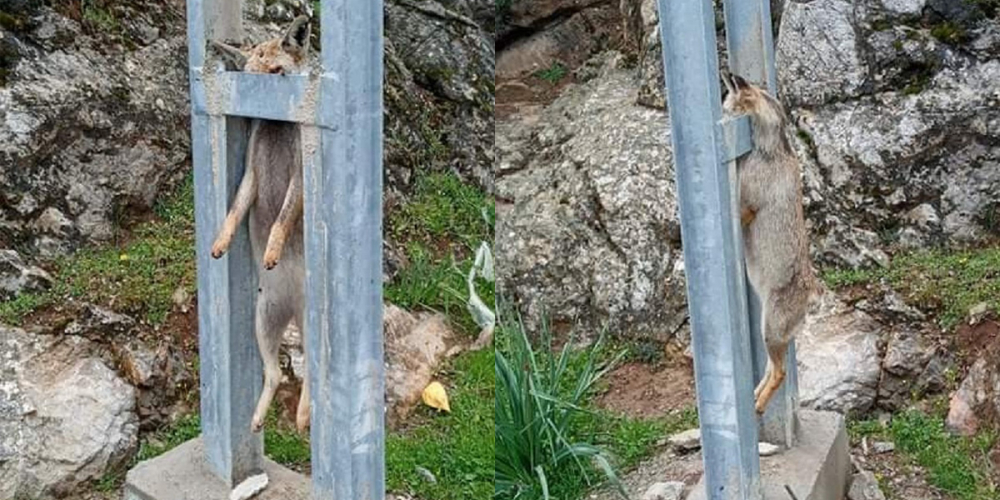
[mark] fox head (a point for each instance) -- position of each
(284, 55)
(745, 98)
(767, 116)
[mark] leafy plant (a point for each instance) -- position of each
(539, 397)
(553, 73)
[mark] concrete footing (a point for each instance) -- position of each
(183, 474)
(817, 468)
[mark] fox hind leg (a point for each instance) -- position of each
(271, 320)
(776, 375)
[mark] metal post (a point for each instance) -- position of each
(229, 361)
(749, 41)
(705, 165)
(344, 257)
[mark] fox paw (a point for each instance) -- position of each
(270, 260)
(258, 423)
(219, 247)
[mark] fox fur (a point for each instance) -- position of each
(775, 242)
(271, 194)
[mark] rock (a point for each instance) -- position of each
(864, 486)
(906, 7)
(879, 447)
(16, 277)
(590, 236)
(906, 361)
(849, 246)
(767, 449)
(65, 417)
(440, 70)
(978, 312)
(838, 358)
(569, 40)
(976, 396)
(862, 146)
(673, 490)
(961, 418)
(100, 324)
(534, 13)
(415, 346)
(81, 138)
(161, 377)
(833, 68)
(686, 441)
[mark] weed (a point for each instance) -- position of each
(98, 14)
(946, 282)
(186, 428)
(138, 277)
(949, 32)
(284, 444)
(956, 465)
(457, 447)
(553, 74)
(538, 405)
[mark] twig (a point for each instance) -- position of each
(790, 492)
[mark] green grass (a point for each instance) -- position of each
(542, 423)
(959, 466)
(553, 74)
(445, 213)
(632, 439)
(138, 277)
(97, 13)
(456, 447)
(949, 32)
(444, 224)
(947, 282)
(184, 429)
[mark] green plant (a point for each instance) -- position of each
(502, 12)
(539, 397)
(98, 14)
(949, 32)
(457, 447)
(553, 73)
(956, 465)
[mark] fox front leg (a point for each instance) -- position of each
(291, 212)
(241, 204)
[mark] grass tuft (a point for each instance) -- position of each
(943, 281)
(957, 465)
(539, 410)
(457, 447)
(553, 74)
(137, 277)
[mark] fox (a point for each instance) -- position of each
(270, 194)
(775, 240)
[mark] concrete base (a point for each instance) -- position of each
(183, 474)
(817, 468)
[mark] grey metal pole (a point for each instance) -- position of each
(229, 362)
(343, 220)
(710, 235)
(749, 41)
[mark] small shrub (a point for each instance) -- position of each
(553, 74)
(540, 396)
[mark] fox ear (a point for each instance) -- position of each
(727, 80)
(232, 58)
(297, 36)
(740, 83)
